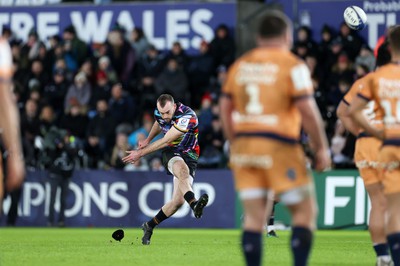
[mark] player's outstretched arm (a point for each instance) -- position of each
(356, 113)
(168, 138)
(154, 131)
(313, 126)
(342, 113)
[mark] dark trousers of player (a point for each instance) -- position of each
(55, 182)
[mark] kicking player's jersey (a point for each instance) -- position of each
(263, 85)
(5, 61)
(383, 87)
(184, 120)
(372, 112)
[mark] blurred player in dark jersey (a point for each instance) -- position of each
(180, 151)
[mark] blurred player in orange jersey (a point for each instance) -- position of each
(9, 126)
(267, 98)
(366, 159)
(383, 87)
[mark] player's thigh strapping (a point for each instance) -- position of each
(366, 156)
(169, 156)
(389, 156)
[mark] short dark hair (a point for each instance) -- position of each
(164, 98)
(273, 24)
(394, 39)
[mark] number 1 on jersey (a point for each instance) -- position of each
(254, 106)
(391, 118)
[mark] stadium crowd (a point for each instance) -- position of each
(104, 94)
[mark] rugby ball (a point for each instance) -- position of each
(355, 17)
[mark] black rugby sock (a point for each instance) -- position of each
(252, 247)
(301, 245)
(156, 220)
(394, 244)
(189, 197)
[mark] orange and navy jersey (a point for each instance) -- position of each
(263, 85)
(373, 114)
(5, 61)
(383, 86)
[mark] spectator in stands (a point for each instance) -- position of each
(173, 81)
(216, 82)
(45, 58)
(68, 73)
(75, 47)
(55, 43)
(313, 65)
(105, 66)
(102, 89)
(30, 49)
(330, 59)
(336, 95)
(361, 71)
(100, 135)
(121, 105)
(332, 100)
(29, 130)
(342, 69)
(179, 55)
(366, 58)
(350, 40)
(119, 151)
(149, 67)
(147, 123)
(54, 93)
(139, 42)
(304, 35)
(205, 115)
(304, 43)
(88, 69)
(201, 68)
(47, 119)
(75, 122)
(37, 97)
(316, 77)
(79, 91)
(156, 165)
(121, 54)
(212, 142)
(301, 50)
(37, 76)
(222, 47)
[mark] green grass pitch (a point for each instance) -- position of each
(193, 247)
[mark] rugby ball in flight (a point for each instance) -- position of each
(355, 17)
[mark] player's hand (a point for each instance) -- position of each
(132, 156)
(143, 143)
(15, 172)
(322, 160)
